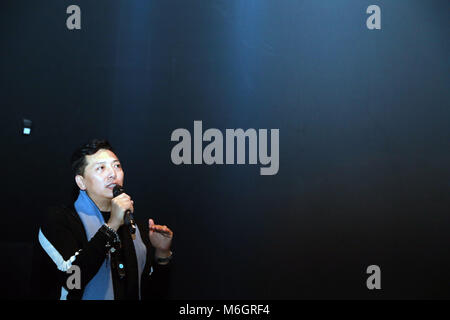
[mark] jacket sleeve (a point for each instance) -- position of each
(59, 236)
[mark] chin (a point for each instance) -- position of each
(109, 194)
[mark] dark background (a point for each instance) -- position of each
(364, 137)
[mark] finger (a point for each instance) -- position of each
(164, 230)
(156, 227)
(169, 232)
(126, 205)
(122, 196)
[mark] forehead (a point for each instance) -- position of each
(101, 155)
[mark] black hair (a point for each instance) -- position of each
(78, 159)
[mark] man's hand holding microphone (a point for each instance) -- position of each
(160, 236)
(119, 205)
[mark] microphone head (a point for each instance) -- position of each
(117, 190)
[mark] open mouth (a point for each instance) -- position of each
(111, 186)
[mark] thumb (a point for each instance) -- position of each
(151, 223)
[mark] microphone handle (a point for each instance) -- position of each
(129, 221)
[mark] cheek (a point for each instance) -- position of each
(96, 181)
(120, 175)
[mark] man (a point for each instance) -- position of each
(94, 252)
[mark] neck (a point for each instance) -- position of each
(102, 204)
(105, 207)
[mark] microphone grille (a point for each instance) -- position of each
(118, 190)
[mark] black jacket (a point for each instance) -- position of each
(63, 228)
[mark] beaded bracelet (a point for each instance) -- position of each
(166, 260)
(111, 233)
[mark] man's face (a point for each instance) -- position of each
(102, 172)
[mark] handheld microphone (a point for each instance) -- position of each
(128, 218)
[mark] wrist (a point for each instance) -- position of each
(163, 257)
(111, 234)
(163, 254)
(113, 225)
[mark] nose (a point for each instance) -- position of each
(111, 173)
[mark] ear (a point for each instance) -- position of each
(80, 182)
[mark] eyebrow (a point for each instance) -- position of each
(100, 162)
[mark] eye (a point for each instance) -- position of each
(101, 167)
(118, 165)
